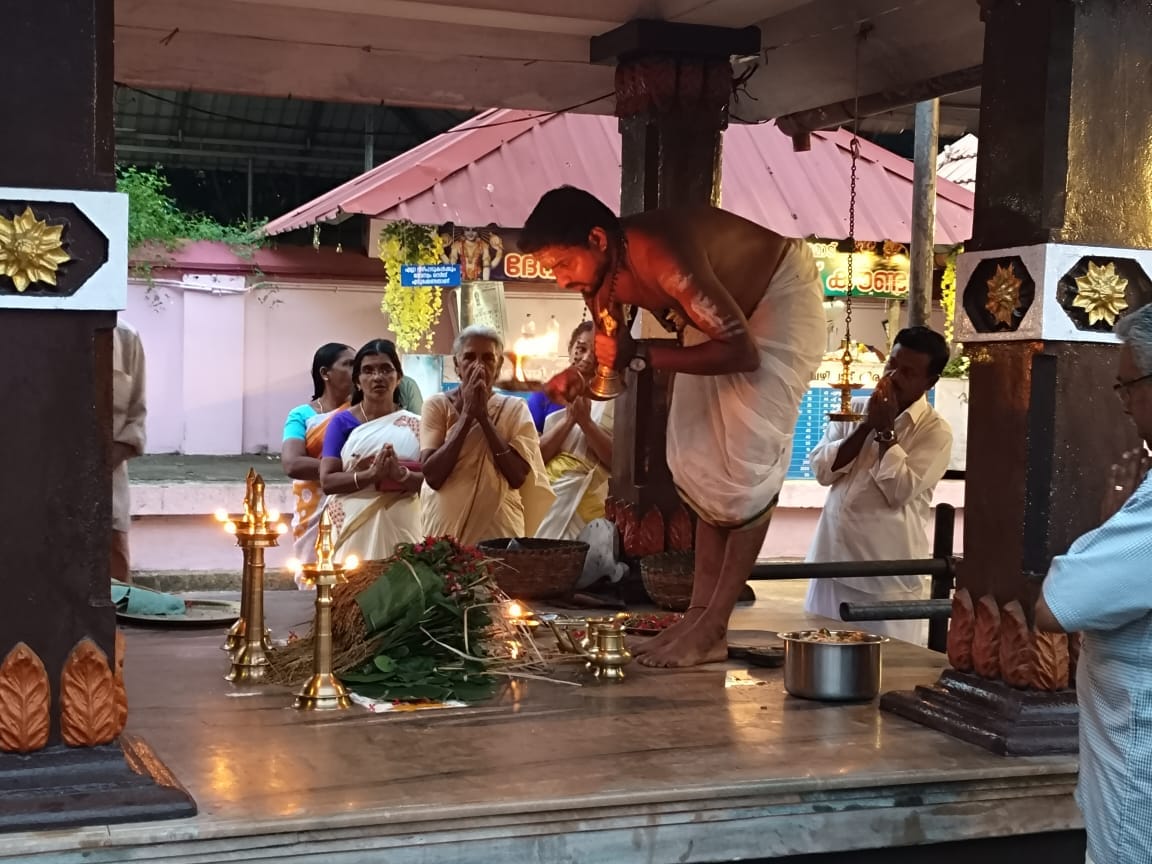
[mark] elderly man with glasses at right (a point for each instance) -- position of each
(1103, 588)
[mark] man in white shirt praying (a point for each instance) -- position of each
(883, 471)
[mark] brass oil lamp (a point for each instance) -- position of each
(323, 691)
(256, 529)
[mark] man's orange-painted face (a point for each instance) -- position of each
(579, 268)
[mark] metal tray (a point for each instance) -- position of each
(197, 613)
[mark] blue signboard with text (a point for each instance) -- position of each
(430, 276)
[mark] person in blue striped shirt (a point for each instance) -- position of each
(1103, 588)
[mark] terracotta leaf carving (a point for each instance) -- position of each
(652, 533)
(961, 630)
(680, 534)
(1015, 646)
(610, 509)
(1049, 661)
(986, 638)
(629, 526)
(120, 690)
(87, 697)
(25, 698)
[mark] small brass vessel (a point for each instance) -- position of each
(611, 655)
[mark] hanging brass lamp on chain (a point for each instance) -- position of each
(846, 385)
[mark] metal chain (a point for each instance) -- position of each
(854, 150)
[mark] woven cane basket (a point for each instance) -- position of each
(539, 569)
(667, 578)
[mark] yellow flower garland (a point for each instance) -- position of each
(958, 366)
(412, 312)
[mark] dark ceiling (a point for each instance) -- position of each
(236, 157)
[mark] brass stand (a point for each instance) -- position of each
(235, 637)
(323, 691)
(256, 530)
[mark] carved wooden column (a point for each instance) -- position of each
(63, 273)
(673, 86)
(1058, 253)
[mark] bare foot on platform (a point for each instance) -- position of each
(691, 616)
(695, 647)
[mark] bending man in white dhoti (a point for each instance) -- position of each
(748, 303)
(883, 471)
(577, 451)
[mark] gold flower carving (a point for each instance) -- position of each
(1003, 293)
(1100, 292)
(31, 250)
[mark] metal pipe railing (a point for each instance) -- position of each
(897, 610)
(940, 568)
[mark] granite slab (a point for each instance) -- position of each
(703, 765)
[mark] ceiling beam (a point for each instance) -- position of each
(842, 113)
(172, 20)
(265, 67)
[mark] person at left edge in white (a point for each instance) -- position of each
(129, 413)
(882, 472)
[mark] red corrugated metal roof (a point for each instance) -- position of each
(494, 167)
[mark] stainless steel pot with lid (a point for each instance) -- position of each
(832, 665)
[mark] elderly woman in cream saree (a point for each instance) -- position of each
(484, 478)
(371, 463)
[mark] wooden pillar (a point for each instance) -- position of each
(927, 138)
(673, 86)
(64, 704)
(1060, 227)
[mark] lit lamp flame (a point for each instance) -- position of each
(281, 528)
(515, 609)
(230, 527)
(351, 562)
(526, 348)
(294, 565)
(221, 514)
(273, 515)
(514, 648)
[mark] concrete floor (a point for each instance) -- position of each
(178, 468)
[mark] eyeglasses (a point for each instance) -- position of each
(1121, 387)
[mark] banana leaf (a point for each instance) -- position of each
(396, 602)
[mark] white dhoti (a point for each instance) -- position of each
(730, 436)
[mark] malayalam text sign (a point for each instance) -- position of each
(878, 269)
(430, 275)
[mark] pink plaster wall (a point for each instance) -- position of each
(223, 370)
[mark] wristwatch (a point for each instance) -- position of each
(887, 437)
(639, 361)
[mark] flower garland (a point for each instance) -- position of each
(412, 312)
(958, 366)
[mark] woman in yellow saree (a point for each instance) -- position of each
(371, 461)
(304, 440)
(577, 450)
